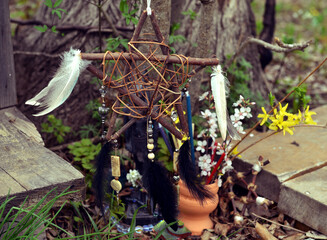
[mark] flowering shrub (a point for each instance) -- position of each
(281, 120)
(209, 146)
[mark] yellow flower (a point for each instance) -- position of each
(235, 152)
(282, 110)
(307, 117)
(282, 120)
(286, 127)
(264, 116)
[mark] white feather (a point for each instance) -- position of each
(220, 90)
(62, 84)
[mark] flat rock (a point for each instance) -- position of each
(289, 156)
(305, 199)
(27, 168)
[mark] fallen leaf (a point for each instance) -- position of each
(206, 235)
(263, 232)
(222, 229)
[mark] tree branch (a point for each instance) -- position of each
(282, 47)
(70, 27)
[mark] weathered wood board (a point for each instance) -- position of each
(305, 199)
(290, 156)
(27, 168)
(7, 70)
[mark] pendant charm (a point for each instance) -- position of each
(116, 185)
(115, 166)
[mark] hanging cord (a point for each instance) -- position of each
(148, 8)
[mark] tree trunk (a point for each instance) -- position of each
(219, 28)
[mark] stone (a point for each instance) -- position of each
(289, 156)
(305, 199)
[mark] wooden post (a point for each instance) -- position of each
(7, 71)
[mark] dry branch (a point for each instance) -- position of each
(281, 48)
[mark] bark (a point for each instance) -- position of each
(232, 23)
(203, 48)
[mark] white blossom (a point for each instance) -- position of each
(240, 129)
(227, 166)
(238, 102)
(239, 113)
(206, 114)
(205, 164)
(202, 133)
(133, 176)
(247, 112)
(213, 132)
(201, 146)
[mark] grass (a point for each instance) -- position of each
(30, 222)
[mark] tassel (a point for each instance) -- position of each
(161, 190)
(220, 90)
(98, 181)
(188, 174)
(62, 84)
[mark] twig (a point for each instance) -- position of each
(38, 54)
(63, 146)
(283, 47)
(279, 224)
(161, 58)
(114, 29)
(69, 27)
(252, 144)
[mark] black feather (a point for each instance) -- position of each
(189, 175)
(161, 190)
(98, 182)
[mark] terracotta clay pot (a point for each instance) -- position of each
(192, 213)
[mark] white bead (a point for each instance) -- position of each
(256, 167)
(260, 200)
(150, 146)
(151, 156)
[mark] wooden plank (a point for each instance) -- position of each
(305, 199)
(35, 169)
(7, 71)
(290, 156)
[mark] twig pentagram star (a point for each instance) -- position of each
(149, 83)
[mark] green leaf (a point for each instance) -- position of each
(48, 3)
(123, 6)
(62, 10)
(86, 142)
(271, 99)
(133, 11)
(54, 30)
(78, 219)
(41, 29)
(134, 20)
(128, 20)
(58, 13)
(60, 139)
(57, 3)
